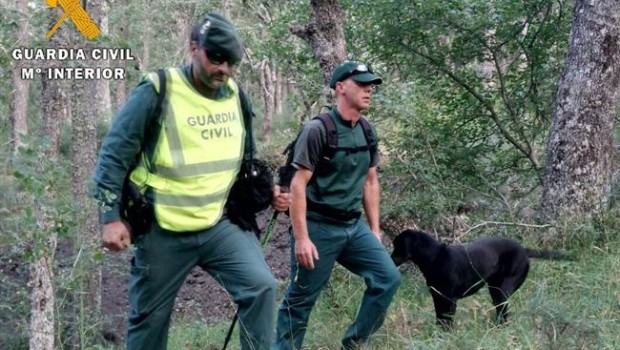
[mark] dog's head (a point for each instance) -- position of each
(402, 247)
(410, 245)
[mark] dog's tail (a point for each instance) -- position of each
(548, 254)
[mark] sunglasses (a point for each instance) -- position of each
(218, 59)
(359, 69)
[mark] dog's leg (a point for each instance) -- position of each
(445, 308)
(500, 300)
(501, 290)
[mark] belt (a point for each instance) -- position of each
(333, 213)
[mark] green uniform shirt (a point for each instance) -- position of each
(337, 184)
(130, 128)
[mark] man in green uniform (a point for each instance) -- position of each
(327, 196)
(189, 158)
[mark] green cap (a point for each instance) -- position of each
(356, 71)
(218, 35)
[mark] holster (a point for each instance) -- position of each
(136, 209)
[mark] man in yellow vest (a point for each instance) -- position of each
(189, 157)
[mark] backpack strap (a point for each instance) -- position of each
(371, 140)
(247, 122)
(155, 123)
(130, 191)
(161, 75)
(331, 135)
(159, 107)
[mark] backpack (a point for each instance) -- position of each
(287, 171)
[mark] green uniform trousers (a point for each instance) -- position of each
(358, 250)
(233, 257)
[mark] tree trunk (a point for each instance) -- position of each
(19, 96)
(146, 44)
(580, 148)
(91, 100)
(226, 8)
(184, 23)
(41, 277)
(267, 90)
(325, 35)
(120, 93)
(99, 89)
(279, 90)
(55, 113)
(43, 306)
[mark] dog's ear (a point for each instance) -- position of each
(400, 249)
(410, 242)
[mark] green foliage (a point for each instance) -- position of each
(467, 100)
(462, 118)
(464, 113)
(5, 61)
(40, 177)
(192, 334)
(598, 232)
(38, 208)
(268, 37)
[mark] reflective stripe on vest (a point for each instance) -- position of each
(197, 157)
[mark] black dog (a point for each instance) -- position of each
(457, 271)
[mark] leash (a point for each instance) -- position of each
(471, 263)
(268, 232)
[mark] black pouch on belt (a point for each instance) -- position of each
(136, 209)
(250, 194)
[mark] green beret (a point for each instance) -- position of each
(356, 71)
(218, 35)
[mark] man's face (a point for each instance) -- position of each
(356, 94)
(210, 70)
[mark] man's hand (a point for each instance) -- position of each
(306, 253)
(116, 235)
(281, 200)
(378, 235)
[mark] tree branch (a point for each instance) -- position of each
(487, 106)
(502, 223)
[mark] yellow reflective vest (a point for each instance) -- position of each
(197, 156)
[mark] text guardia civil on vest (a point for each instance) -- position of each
(212, 120)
